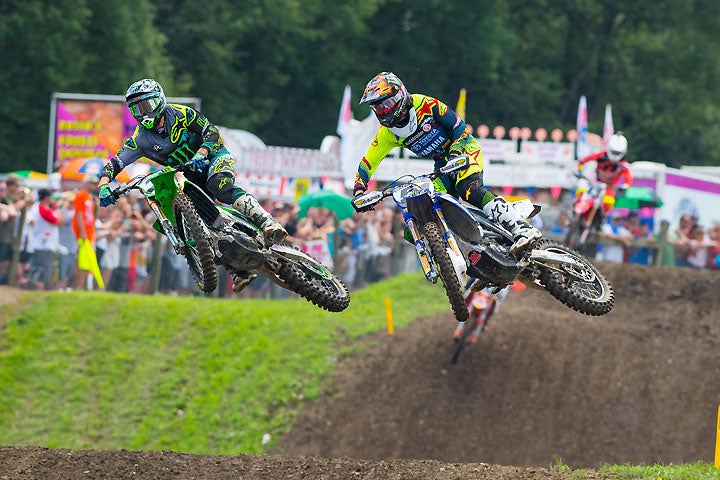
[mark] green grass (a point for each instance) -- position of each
(691, 471)
(196, 375)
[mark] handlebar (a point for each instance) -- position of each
(367, 201)
(125, 187)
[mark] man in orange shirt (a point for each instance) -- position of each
(84, 221)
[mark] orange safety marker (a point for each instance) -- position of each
(717, 441)
(388, 315)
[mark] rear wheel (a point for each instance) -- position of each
(581, 288)
(315, 282)
(197, 248)
(453, 289)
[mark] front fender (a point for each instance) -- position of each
(421, 208)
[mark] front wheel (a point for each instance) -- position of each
(583, 289)
(197, 249)
(464, 340)
(453, 289)
(583, 237)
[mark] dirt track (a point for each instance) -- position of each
(640, 385)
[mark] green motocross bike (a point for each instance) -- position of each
(208, 234)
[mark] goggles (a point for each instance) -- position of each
(388, 105)
(146, 106)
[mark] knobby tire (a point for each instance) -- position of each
(453, 288)
(200, 256)
(326, 291)
(464, 339)
(593, 297)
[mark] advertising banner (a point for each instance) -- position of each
(90, 126)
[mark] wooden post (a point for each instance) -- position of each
(661, 242)
(156, 264)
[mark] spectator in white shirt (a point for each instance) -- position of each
(613, 229)
(45, 220)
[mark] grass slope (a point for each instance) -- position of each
(197, 375)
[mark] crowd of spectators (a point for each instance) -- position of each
(362, 249)
(42, 229)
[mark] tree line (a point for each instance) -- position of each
(278, 67)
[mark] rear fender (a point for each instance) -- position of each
(526, 208)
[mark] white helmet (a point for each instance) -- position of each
(616, 147)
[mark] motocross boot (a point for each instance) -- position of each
(251, 208)
(524, 234)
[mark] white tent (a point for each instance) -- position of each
(238, 140)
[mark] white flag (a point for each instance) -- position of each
(582, 148)
(346, 115)
(608, 129)
(355, 138)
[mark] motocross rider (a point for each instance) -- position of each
(171, 134)
(430, 129)
(612, 169)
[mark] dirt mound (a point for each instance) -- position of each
(639, 385)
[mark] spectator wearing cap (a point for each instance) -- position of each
(614, 230)
(45, 221)
(84, 224)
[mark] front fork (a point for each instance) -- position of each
(165, 225)
(420, 248)
(430, 273)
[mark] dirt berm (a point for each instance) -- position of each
(639, 385)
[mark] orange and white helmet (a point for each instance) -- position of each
(388, 99)
(616, 147)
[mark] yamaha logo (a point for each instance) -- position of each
(426, 127)
(474, 257)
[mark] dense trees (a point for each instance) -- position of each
(277, 68)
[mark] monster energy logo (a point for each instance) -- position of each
(182, 154)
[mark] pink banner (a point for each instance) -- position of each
(90, 129)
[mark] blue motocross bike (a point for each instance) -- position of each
(455, 240)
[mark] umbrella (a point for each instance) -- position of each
(636, 198)
(333, 201)
(77, 168)
(31, 174)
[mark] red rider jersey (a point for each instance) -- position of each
(608, 172)
(438, 131)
